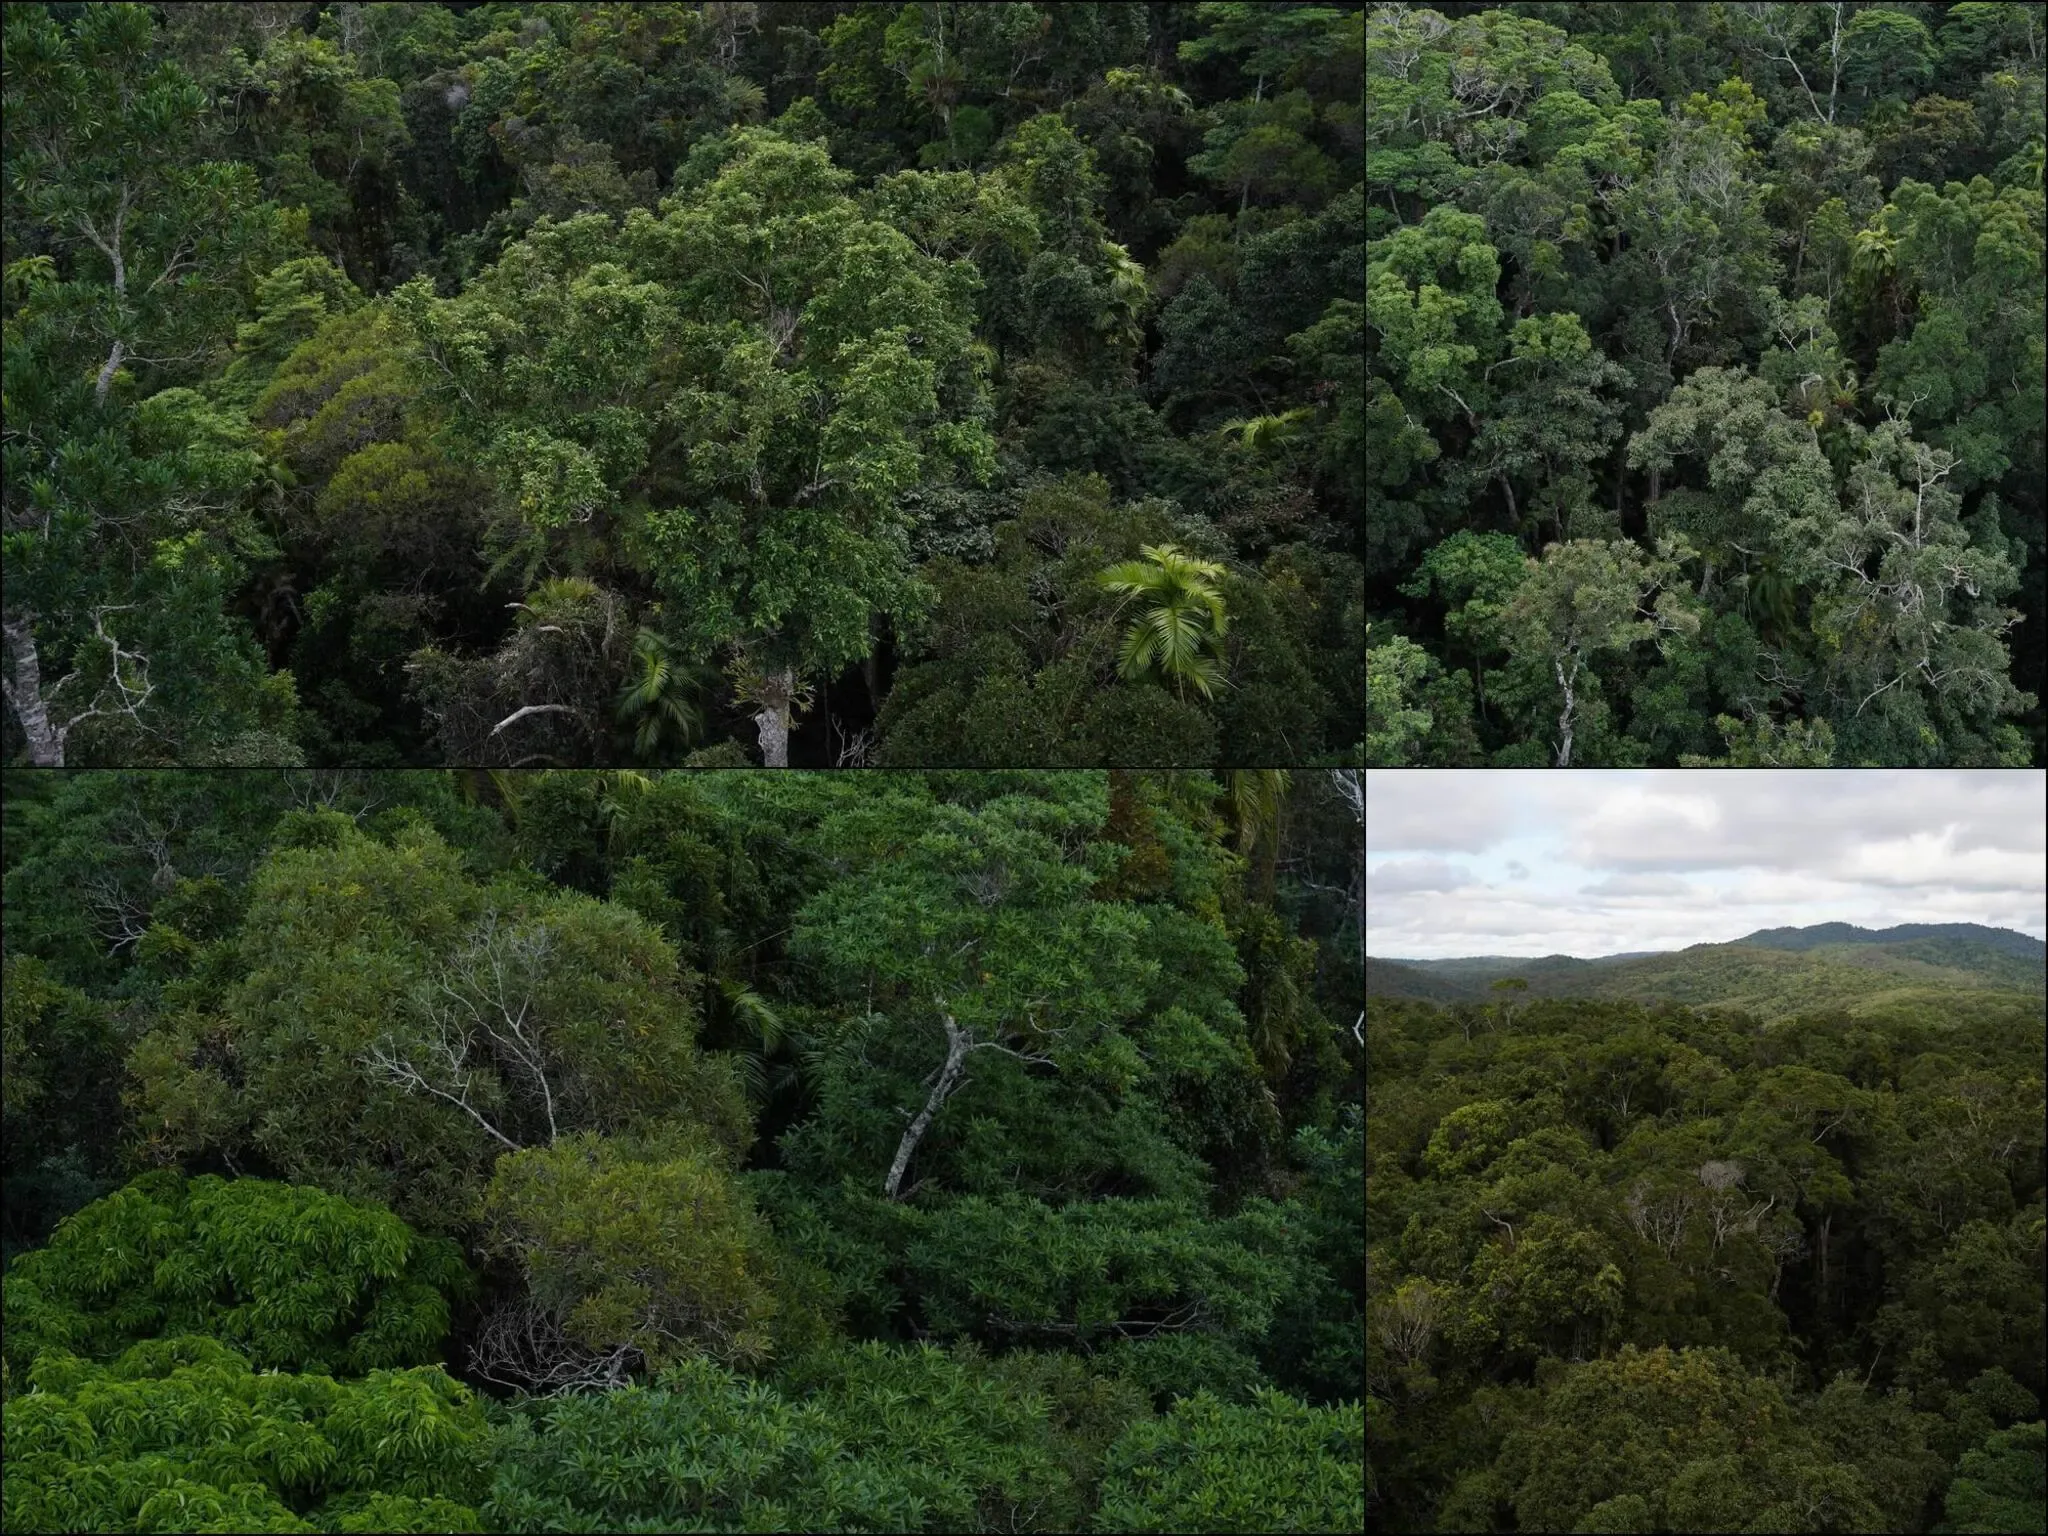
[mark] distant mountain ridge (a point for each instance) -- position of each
(1848, 933)
(1773, 972)
(1388, 978)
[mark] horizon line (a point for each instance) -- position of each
(1674, 949)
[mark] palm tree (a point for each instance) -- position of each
(1773, 599)
(1130, 290)
(1874, 267)
(1257, 796)
(613, 790)
(1261, 433)
(769, 1057)
(1179, 629)
(657, 698)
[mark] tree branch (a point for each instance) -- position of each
(531, 709)
(403, 1075)
(957, 1046)
(960, 1044)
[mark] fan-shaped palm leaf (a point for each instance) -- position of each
(1261, 433)
(657, 698)
(1183, 622)
(1256, 797)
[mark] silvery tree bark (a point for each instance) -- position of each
(771, 722)
(960, 1044)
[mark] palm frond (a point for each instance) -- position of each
(1256, 434)
(1134, 656)
(1207, 674)
(1256, 796)
(1185, 617)
(753, 1011)
(1132, 578)
(646, 689)
(753, 1071)
(1175, 636)
(511, 790)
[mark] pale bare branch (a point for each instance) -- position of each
(531, 709)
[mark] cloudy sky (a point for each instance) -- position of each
(1594, 862)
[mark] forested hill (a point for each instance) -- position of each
(1704, 384)
(1772, 973)
(1968, 934)
(1388, 978)
(1636, 1268)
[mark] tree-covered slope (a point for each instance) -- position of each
(1653, 1268)
(1777, 982)
(1483, 968)
(1969, 944)
(1704, 384)
(1772, 973)
(1389, 978)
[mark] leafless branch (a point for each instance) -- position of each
(531, 709)
(118, 917)
(960, 1044)
(31, 701)
(851, 751)
(523, 1347)
(494, 981)
(383, 1062)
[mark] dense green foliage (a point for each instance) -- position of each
(1966, 976)
(294, 1278)
(1704, 402)
(658, 1251)
(1634, 1268)
(386, 1025)
(1211, 1467)
(868, 1440)
(537, 383)
(2002, 1486)
(959, 1150)
(179, 1435)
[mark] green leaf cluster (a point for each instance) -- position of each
(1766, 279)
(292, 1277)
(867, 1438)
(1212, 1466)
(179, 1434)
(816, 1151)
(656, 1247)
(389, 1024)
(1639, 1265)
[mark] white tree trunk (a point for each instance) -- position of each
(1564, 720)
(25, 696)
(957, 1047)
(772, 721)
(107, 372)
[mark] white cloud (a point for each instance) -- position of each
(1638, 885)
(1654, 860)
(1933, 858)
(1797, 818)
(1438, 810)
(1397, 876)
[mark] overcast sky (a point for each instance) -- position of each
(1596, 862)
